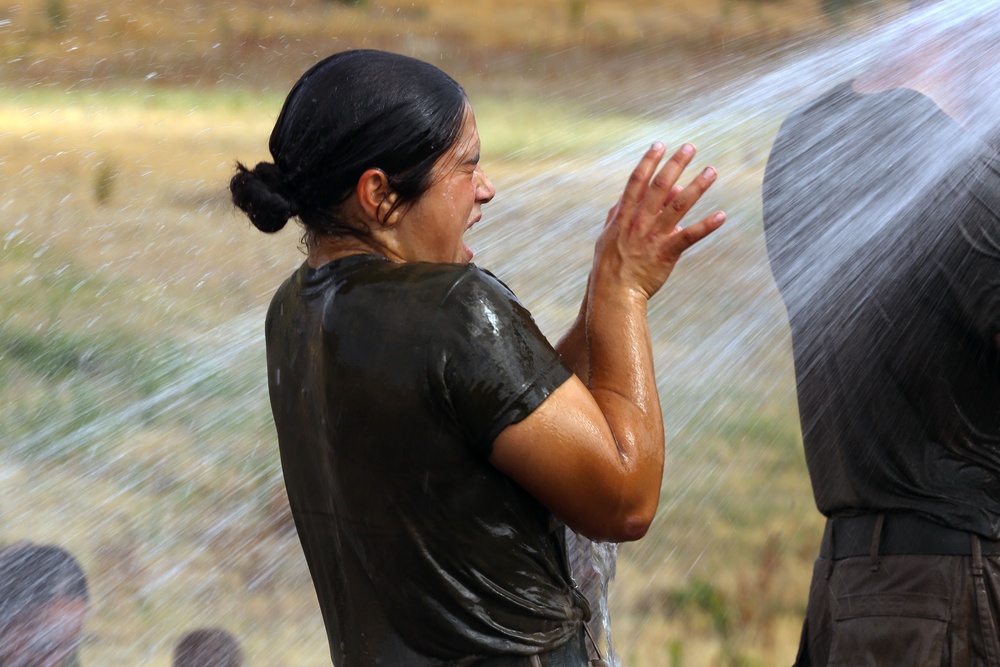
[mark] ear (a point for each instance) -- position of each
(376, 197)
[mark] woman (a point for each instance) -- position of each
(43, 603)
(432, 440)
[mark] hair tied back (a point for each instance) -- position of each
(263, 194)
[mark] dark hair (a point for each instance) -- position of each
(208, 647)
(353, 111)
(34, 576)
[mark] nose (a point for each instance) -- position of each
(484, 187)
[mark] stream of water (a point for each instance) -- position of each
(720, 335)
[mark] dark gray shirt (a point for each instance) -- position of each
(882, 219)
(389, 383)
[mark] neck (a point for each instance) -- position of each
(325, 249)
(922, 63)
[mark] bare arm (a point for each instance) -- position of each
(593, 453)
(573, 347)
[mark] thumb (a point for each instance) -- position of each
(612, 212)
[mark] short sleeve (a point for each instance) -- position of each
(975, 277)
(489, 365)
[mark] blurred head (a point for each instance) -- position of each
(208, 647)
(960, 41)
(354, 114)
(43, 603)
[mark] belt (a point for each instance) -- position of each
(898, 534)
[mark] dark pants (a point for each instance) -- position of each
(882, 608)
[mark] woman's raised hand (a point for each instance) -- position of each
(593, 453)
(642, 238)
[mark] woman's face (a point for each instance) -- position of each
(46, 638)
(431, 228)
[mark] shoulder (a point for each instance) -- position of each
(367, 274)
(461, 288)
(436, 282)
(469, 282)
(831, 103)
(478, 308)
(900, 109)
(288, 291)
(985, 181)
(465, 293)
(970, 192)
(479, 302)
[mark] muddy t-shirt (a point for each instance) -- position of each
(882, 219)
(389, 383)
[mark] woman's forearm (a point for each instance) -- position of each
(592, 452)
(623, 383)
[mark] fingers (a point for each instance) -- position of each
(638, 180)
(674, 191)
(683, 238)
(655, 201)
(678, 205)
(661, 189)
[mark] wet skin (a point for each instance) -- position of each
(427, 229)
(431, 228)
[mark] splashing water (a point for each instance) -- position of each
(719, 329)
(734, 478)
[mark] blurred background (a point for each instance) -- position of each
(134, 420)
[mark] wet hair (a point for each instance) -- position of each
(353, 111)
(208, 647)
(34, 576)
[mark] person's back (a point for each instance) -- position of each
(879, 210)
(478, 560)
(882, 221)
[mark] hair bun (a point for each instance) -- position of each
(262, 193)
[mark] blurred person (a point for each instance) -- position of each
(433, 442)
(882, 221)
(43, 604)
(208, 647)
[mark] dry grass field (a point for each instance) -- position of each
(132, 400)
(133, 404)
(267, 43)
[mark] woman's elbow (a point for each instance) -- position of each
(626, 527)
(635, 526)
